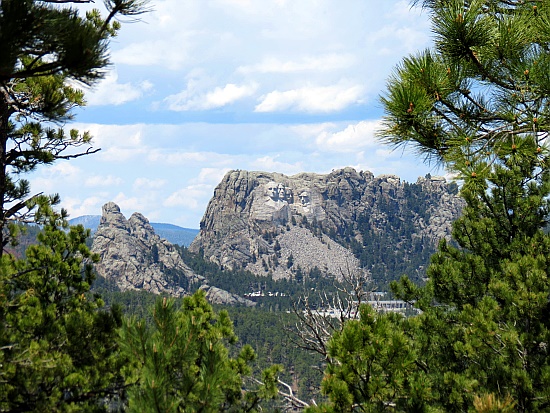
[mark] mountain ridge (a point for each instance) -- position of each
(258, 221)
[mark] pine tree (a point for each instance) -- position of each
(58, 348)
(485, 327)
(47, 48)
(182, 363)
(477, 103)
(373, 367)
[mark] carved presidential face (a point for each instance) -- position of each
(304, 198)
(271, 190)
(281, 191)
(289, 195)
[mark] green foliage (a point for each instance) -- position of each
(484, 327)
(182, 363)
(25, 235)
(485, 83)
(58, 348)
(243, 282)
(264, 330)
(495, 287)
(46, 49)
(374, 365)
(478, 104)
(268, 333)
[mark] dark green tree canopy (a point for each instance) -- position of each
(182, 364)
(58, 347)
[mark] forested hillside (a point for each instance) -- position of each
(269, 331)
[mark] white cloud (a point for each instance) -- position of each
(105, 136)
(130, 204)
(173, 157)
(155, 53)
(47, 179)
(310, 130)
(271, 164)
(45, 185)
(77, 207)
(226, 95)
(320, 99)
(177, 158)
(397, 40)
(110, 92)
(63, 169)
(314, 58)
(166, 36)
(403, 12)
(403, 31)
(148, 184)
(351, 139)
(118, 143)
(211, 175)
(154, 215)
(119, 154)
(322, 63)
(245, 8)
(192, 99)
(103, 181)
(191, 196)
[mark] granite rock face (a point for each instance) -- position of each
(136, 258)
(270, 222)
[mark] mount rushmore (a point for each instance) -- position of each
(270, 223)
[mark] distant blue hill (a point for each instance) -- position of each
(87, 221)
(174, 234)
(171, 233)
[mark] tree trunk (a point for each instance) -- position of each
(4, 132)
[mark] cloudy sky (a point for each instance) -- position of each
(200, 87)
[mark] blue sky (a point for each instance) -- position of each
(200, 87)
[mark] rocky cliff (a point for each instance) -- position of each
(133, 256)
(288, 225)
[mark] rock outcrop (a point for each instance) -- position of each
(273, 223)
(218, 296)
(136, 258)
(133, 256)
